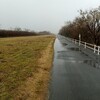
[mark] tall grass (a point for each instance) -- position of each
(19, 60)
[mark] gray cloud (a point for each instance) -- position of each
(41, 15)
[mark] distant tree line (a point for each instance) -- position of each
(87, 24)
(44, 33)
(10, 33)
(20, 32)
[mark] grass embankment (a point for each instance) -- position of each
(25, 64)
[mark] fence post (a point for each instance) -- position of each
(85, 45)
(98, 50)
(75, 41)
(72, 40)
(79, 42)
(94, 48)
(79, 39)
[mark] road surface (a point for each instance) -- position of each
(74, 74)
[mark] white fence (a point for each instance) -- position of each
(93, 47)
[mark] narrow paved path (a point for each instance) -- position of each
(74, 76)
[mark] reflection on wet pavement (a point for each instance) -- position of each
(73, 75)
(72, 59)
(92, 63)
(64, 44)
(74, 49)
(61, 51)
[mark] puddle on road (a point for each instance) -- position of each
(89, 62)
(63, 54)
(64, 44)
(92, 63)
(71, 59)
(74, 49)
(61, 51)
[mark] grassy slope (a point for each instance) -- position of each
(24, 67)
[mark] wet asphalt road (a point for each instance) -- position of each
(74, 76)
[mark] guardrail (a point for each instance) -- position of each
(95, 48)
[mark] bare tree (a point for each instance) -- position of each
(92, 21)
(87, 24)
(18, 29)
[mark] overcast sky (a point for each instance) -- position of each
(39, 15)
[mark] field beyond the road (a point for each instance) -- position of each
(25, 64)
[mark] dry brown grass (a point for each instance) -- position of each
(34, 72)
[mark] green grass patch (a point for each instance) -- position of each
(19, 61)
